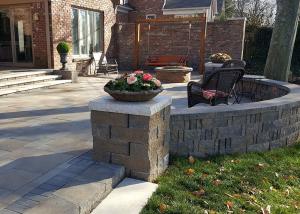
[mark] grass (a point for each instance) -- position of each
(248, 183)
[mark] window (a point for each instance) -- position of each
(151, 16)
(87, 31)
(122, 2)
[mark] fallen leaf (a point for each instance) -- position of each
(287, 192)
(237, 196)
(260, 166)
(204, 176)
(190, 171)
(163, 208)
(191, 160)
(217, 182)
(229, 205)
(266, 210)
(235, 161)
(233, 196)
(199, 193)
(222, 169)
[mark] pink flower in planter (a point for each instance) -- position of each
(147, 77)
(131, 79)
(157, 82)
(139, 72)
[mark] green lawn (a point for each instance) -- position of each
(249, 183)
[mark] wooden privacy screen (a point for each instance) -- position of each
(201, 22)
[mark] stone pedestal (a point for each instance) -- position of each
(173, 74)
(135, 135)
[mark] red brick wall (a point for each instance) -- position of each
(126, 45)
(61, 23)
(174, 40)
(226, 37)
(39, 41)
(144, 7)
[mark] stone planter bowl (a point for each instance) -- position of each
(128, 96)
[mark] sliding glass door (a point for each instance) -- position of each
(5, 37)
(16, 36)
(22, 35)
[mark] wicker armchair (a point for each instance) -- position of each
(104, 65)
(216, 89)
(234, 64)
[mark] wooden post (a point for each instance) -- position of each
(136, 62)
(203, 24)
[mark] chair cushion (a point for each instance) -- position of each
(210, 94)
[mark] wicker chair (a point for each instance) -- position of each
(216, 89)
(103, 65)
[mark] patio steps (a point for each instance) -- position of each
(75, 187)
(22, 81)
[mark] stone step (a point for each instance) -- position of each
(26, 81)
(24, 88)
(77, 189)
(23, 74)
(131, 196)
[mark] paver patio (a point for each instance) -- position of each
(40, 131)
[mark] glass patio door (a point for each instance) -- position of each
(22, 35)
(6, 54)
(16, 36)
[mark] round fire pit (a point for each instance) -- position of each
(173, 74)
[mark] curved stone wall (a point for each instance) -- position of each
(249, 127)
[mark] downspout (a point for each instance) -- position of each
(48, 34)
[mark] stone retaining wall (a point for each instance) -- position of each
(251, 127)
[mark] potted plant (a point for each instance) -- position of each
(220, 58)
(63, 49)
(134, 87)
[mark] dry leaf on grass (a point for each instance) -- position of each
(199, 193)
(217, 182)
(266, 210)
(190, 171)
(229, 205)
(163, 208)
(191, 160)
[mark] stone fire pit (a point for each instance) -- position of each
(173, 74)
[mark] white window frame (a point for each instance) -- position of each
(122, 2)
(151, 16)
(89, 36)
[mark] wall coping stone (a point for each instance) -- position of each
(149, 108)
(292, 98)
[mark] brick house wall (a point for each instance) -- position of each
(39, 40)
(61, 23)
(226, 37)
(144, 7)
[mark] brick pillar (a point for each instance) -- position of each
(135, 135)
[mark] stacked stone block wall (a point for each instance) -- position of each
(237, 128)
(140, 143)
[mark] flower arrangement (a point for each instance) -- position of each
(135, 82)
(220, 57)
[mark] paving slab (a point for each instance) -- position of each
(129, 197)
